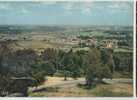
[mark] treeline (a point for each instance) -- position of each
(94, 64)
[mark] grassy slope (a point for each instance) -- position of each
(101, 90)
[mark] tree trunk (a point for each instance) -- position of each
(89, 83)
(65, 78)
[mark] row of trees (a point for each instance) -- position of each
(94, 64)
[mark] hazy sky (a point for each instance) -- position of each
(67, 13)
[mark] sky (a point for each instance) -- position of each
(67, 13)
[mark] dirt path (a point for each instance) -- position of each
(82, 81)
(59, 82)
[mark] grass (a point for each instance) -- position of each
(116, 90)
(104, 92)
(122, 75)
(100, 90)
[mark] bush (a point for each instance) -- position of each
(59, 74)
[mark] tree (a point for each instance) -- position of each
(103, 72)
(70, 65)
(123, 61)
(108, 59)
(49, 54)
(65, 64)
(41, 69)
(5, 50)
(77, 64)
(93, 64)
(17, 64)
(95, 69)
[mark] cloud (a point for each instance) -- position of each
(119, 5)
(86, 11)
(24, 11)
(4, 6)
(69, 6)
(14, 8)
(83, 7)
(77, 5)
(87, 7)
(48, 2)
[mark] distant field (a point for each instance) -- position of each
(40, 45)
(123, 50)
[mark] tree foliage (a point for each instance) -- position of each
(95, 68)
(94, 64)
